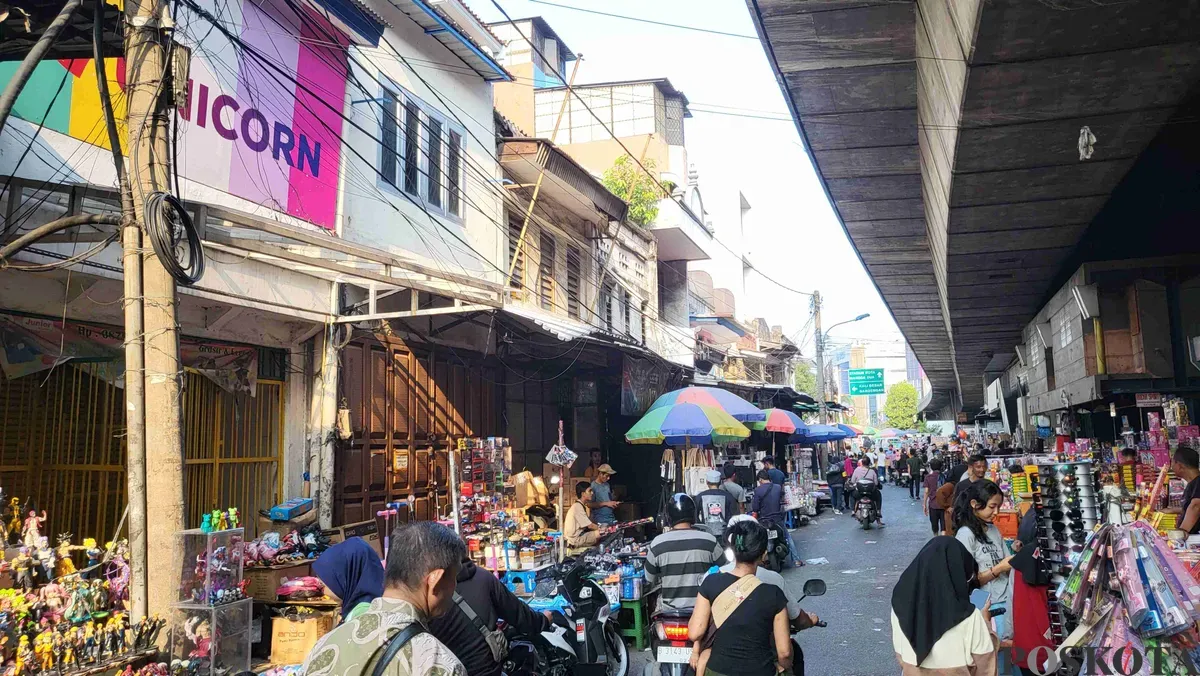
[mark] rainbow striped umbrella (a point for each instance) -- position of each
(686, 424)
(779, 420)
(714, 397)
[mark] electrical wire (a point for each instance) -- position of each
(571, 91)
(253, 52)
(166, 219)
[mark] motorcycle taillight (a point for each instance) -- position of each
(675, 632)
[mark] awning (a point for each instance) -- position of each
(448, 31)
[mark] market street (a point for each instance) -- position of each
(863, 567)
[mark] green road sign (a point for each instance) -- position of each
(866, 381)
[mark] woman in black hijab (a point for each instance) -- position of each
(935, 627)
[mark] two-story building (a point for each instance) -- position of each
(349, 202)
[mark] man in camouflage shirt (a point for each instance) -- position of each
(422, 566)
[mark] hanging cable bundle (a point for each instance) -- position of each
(174, 238)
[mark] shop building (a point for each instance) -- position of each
(375, 200)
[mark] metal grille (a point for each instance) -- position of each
(62, 449)
(546, 270)
(514, 236)
(232, 446)
(574, 307)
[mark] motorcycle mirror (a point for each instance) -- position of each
(814, 588)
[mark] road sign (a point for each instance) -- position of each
(866, 381)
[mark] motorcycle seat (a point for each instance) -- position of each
(672, 614)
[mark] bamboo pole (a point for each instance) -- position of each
(537, 187)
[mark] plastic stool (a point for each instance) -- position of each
(640, 631)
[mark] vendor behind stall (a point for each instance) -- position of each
(602, 503)
(580, 531)
(1186, 465)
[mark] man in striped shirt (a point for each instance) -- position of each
(679, 558)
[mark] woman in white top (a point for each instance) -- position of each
(936, 630)
(975, 511)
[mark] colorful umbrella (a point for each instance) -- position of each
(686, 423)
(889, 432)
(715, 397)
(779, 420)
(849, 430)
(820, 433)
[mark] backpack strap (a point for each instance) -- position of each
(471, 614)
(393, 646)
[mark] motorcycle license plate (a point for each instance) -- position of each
(669, 654)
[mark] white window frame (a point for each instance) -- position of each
(392, 94)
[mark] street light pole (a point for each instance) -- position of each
(820, 337)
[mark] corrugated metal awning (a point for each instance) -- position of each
(443, 29)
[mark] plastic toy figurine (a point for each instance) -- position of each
(234, 520)
(14, 524)
(33, 528)
(93, 555)
(22, 564)
(43, 649)
(89, 642)
(69, 659)
(46, 558)
(222, 521)
(66, 565)
(54, 600)
(58, 647)
(215, 518)
(25, 657)
(118, 575)
(206, 525)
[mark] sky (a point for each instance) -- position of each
(794, 235)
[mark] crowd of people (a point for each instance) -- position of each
(972, 603)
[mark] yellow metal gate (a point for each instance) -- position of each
(232, 447)
(62, 448)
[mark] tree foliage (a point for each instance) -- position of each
(626, 180)
(901, 406)
(805, 379)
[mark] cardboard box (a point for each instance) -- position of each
(265, 581)
(266, 525)
(291, 509)
(293, 639)
(367, 530)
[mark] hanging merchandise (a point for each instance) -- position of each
(1129, 589)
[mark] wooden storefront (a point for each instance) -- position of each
(408, 406)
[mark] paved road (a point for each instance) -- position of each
(863, 567)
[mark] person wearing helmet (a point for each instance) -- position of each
(679, 558)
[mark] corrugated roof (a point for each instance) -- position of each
(444, 29)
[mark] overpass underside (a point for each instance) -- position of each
(967, 146)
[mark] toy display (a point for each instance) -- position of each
(210, 622)
(275, 549)
(220, 520)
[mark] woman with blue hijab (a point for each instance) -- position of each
(351, 570)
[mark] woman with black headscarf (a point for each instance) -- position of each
(936, 630)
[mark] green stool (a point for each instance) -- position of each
(639, 628)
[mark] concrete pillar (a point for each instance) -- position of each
(673, 293)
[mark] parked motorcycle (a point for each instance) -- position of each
(864, 508)
(584, 641)
(778, 551)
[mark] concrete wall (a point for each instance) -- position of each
(375, 213)
(514, 99)
(672, 292)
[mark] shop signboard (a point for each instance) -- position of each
(32, 344)
(1148, 399)
(641, 383)
(264, 135)
(866, 381)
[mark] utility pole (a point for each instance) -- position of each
(820, 338)
(146, 120)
